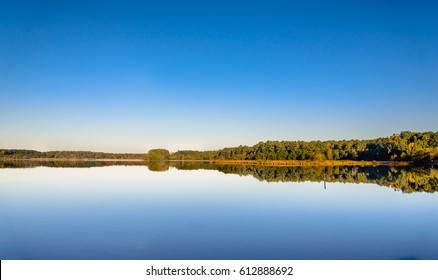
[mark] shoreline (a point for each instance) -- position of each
(70, 159)
(236, 162)
(313, 163)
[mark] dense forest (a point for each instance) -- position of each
(406, 146)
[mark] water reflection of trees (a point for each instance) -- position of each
(406, 179)
(158, 166)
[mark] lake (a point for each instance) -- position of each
(116, 210)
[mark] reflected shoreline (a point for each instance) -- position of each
(407, 179)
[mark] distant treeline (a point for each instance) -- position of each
(406, 146)
(30, 154)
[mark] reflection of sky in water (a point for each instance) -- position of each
(132, 213)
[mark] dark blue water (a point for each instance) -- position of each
(129, 212)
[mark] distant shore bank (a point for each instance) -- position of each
(70, 159)
(234, 162)
(312, 163)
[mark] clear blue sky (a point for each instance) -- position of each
(130, 76)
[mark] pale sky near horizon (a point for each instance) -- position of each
(129, 76)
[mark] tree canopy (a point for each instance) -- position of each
(405, 146)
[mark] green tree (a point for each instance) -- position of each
(158, 155)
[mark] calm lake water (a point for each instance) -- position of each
(203, 211)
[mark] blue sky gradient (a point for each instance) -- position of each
(130, 76)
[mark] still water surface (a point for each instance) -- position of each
(241, 212)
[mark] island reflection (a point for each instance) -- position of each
(407, 179)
